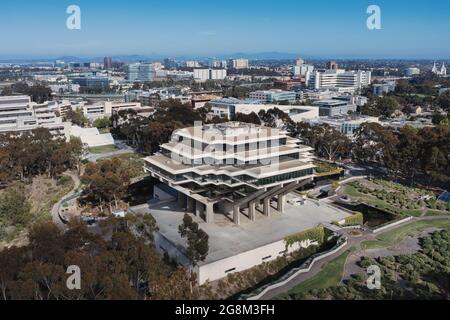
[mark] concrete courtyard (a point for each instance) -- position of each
(227, 239)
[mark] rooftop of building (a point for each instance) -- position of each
(231, 132)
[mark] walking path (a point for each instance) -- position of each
(407, 246)
(55, 210)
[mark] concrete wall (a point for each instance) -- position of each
(247, 260)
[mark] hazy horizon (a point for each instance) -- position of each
(173, 28)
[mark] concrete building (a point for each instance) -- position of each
(231, 167)
(332, 65)
(412, 72)
(229, 107)
(303, 70)
(381, 89)
(240, 197)
(91, 137)
(332, 108)
(192, 64)
(221, 64)
(107, 109)
(351, 81)
(239, 64)
(347, 125)
(18, 114)
(202, 75)
(273, 96)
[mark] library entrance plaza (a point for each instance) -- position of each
(226, 239)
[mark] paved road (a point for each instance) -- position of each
(55, 214)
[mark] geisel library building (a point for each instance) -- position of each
(235, 179)
(231, 168)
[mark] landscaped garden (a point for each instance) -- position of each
(329, 276)
(395, 198)
(422, 275)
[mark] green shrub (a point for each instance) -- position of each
(354, 220)
(314, 234)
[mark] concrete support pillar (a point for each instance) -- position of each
(237, 215)
(267, 206)
(190, 205)
(209, 213)
(259, 207)
(252, 211)
(181, 200)
(281, 203)
(199, 209)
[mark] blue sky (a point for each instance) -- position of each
(319, 28)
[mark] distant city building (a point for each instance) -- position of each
(170, 63)
(304, 70)
(440, 72)
(273, 96)
(139, 72)
(299, 62)
(239, 64)
(18, 114)
(349, 80)
(192, 64)
(202, 75)
(332, 65)
(412, 72)
(107, 63)
(91, 81)
(221, 64)
(381, 89)
(332, 108)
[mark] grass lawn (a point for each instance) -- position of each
(329, 276)
(392, 238)
(103, 149)
(434, 213)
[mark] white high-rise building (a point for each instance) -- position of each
(203, 75)
(239, 64)
(353, 80)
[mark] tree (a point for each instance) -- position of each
(197, 239)
(76, 117)
(247, 118)
(106, 182)
(381, 106)
(102, 123)
(326, 141)
(14, 206)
